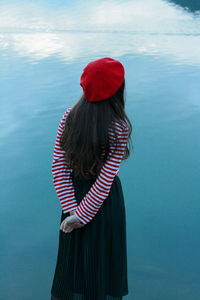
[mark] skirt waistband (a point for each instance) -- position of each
(88, 179)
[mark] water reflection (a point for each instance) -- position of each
(192, 5)
(36, 31)
(159, 44)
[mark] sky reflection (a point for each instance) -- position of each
(38, 30)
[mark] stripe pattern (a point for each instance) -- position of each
(61, 172)
(62, 180)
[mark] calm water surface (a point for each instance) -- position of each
(44, 46)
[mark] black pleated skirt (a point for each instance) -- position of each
(92, 260)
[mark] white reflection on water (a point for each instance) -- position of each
(113, 28)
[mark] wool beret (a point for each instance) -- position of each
(101, 78)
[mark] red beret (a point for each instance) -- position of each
(101, 78)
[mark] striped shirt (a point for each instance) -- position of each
(62, 180)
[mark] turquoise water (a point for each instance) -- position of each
(44, 46)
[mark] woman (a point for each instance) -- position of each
(92, 140)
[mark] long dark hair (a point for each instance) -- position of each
(86, 133)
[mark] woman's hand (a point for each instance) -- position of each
(71, 222)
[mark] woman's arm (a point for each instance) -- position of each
(61, 172)
(100, 189)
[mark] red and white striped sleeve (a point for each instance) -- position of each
(61, 172)
(91, 203)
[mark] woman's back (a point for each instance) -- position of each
(92, 253)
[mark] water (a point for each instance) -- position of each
(43, 49)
